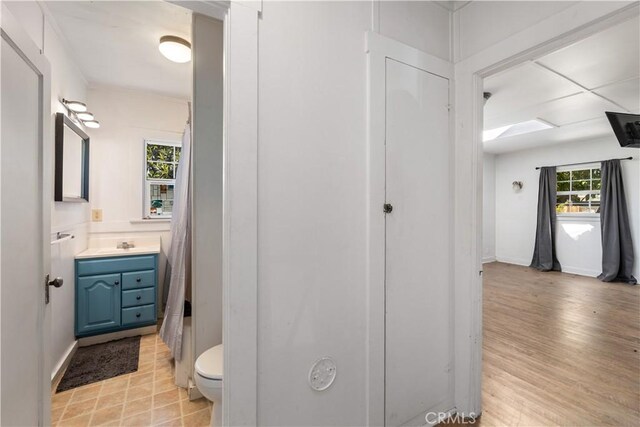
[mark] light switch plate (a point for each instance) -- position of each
(322, 374)
(96, 215)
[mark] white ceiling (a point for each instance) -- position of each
(116, 42)
(570, 88)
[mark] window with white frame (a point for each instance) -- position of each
(578, 191)
(161, 167)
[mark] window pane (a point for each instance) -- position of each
(582, 198)
(562, 204)
(177, 155)
(160, 170)
(581, 185)
(563, 186)
(563, 176)
(160, 152)
(161, 199)
(594, 198)
(596, 173)
(581, 174)
(596, 185)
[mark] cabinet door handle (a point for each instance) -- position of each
(137, 314)
(139, 297)
(117, 282)
(138, 280)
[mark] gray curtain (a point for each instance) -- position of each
(617, 249)
(544, 251)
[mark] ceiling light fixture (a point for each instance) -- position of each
(85, 116)
(75, 106)
(175, 49)
(516, 129)
(93, 124)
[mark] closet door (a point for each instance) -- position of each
(418, 330)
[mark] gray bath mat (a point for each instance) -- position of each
(100, 362)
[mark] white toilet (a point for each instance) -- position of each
(209, 380)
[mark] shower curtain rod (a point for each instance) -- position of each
(584, 163)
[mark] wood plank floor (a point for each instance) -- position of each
(559, 349)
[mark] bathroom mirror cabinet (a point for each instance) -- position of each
(72, 162)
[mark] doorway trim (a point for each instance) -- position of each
(378, 48)
(240, 205)
(14, 34)
(562, 29)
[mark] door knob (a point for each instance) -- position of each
(138, 280)
(139, 297)
(57, 282)
(387, 208)
(117, 282)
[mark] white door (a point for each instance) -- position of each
(418, 333)
(24, 228)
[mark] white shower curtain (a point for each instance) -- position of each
(179, 252)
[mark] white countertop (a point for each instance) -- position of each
(107, 247)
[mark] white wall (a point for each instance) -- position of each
(128, 117)
(489, 208)
(66, 82)
(312, 246)
(577, 239)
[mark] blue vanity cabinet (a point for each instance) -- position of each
(115, 293)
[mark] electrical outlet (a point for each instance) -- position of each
(96, 215)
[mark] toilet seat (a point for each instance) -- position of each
(209, 364)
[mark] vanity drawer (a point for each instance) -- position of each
(138, 279)
(142, 314)
(138, 297)
(115, 265)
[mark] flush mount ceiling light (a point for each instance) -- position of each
(85, 116)
(516, 129)
(93, 124)
(75, 106)
(175, 49)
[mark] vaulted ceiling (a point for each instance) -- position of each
(570, 89)
(116, 42)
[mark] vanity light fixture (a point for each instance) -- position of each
(75, 106)
(85, 116)
(93, 124)
(175, 49)
(77, 113)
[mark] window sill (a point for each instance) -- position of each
(148, 220)
(581, 218)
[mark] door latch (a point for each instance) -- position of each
(56, 283)
(387, 208)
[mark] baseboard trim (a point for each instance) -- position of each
(488, 259)
(580, 271)
(565, 268)
(63, 364)
(516, 261)
(98, 339)
(193, 392)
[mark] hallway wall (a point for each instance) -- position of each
(312, 174)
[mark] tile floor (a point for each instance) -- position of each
(147, 397)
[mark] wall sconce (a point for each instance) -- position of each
(77, 111)
(517, 186)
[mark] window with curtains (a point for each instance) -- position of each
(161, 167)
(578, 191)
